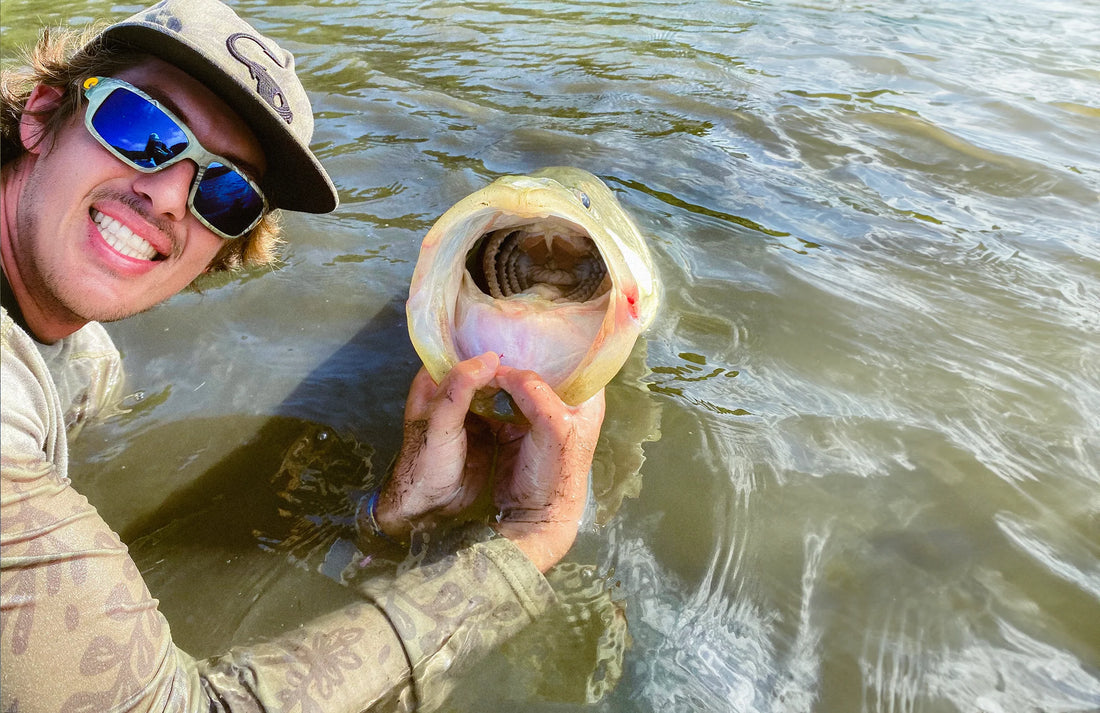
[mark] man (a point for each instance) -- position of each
(154, 153)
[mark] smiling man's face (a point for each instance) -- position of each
(93, 238)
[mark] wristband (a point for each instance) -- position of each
(368, 517)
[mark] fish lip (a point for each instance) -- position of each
(517, 218)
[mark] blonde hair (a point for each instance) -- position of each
(61, 58)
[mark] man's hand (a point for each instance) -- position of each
(438, 474)
(542, 469)
(539, 471)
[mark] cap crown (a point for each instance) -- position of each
(252, 74)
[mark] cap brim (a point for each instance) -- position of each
(295, 179)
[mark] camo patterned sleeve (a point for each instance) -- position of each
(80, 632)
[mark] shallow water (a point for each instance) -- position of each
(870, 406)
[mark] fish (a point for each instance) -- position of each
(547, 270)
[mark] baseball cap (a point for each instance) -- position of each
(253, 75)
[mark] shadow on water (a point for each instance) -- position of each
(242, 539)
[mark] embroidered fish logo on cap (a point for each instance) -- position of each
(266, 86)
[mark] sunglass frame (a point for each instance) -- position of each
(98, 89)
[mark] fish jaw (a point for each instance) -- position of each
(577, 348)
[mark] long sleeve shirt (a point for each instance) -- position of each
(79, 630)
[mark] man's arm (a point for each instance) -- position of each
(400, 650)
(79, 630)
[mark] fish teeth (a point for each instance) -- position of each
(122, 239)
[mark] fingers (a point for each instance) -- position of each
(544, 409)
(421, 391)
(540, 469)
(436, 474)
(442, 408)
(534, 396)
(542, 495)
(451, 398)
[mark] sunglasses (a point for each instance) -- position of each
(146, 136)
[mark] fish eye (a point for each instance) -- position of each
(582, 197)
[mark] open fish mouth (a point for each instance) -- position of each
(546, 270)
(551, 258)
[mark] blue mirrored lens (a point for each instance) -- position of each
(147, 137)
(138, 130)
(226, 200)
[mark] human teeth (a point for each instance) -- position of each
(122, 239)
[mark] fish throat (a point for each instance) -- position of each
(549, 258)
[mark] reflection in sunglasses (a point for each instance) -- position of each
(123, 118)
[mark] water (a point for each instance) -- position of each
(871, 399)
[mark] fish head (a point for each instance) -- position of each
(546, 270)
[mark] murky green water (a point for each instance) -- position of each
(875, 485)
